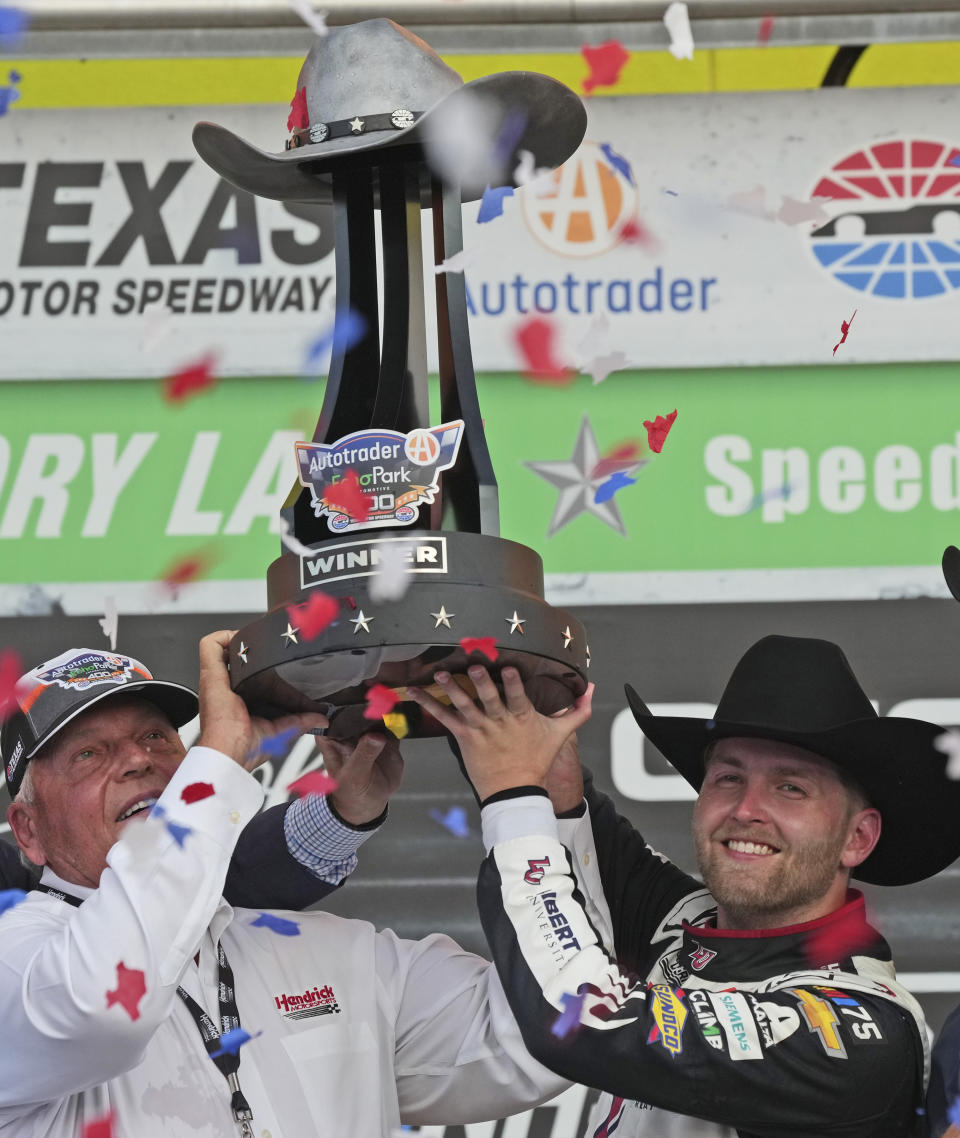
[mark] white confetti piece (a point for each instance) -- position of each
(110, 621)
(315, 20)
(677, 20)
(949, 744)
(392, 578)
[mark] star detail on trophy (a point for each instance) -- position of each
(443, 617)
(516, 624)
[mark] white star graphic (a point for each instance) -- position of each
(577, 489)
(242, 651)
(356, 125)
(361, 621)
(291, 634)
(443, 617)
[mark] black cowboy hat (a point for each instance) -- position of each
(372, 85)
(951, 570)
(803, 691)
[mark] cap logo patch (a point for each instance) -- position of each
(14, 760)
(86, 669)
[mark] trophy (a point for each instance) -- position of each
(378, 477)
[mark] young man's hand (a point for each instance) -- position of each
(504, 744)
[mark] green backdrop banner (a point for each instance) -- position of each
(805, 468)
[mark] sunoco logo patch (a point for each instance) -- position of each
(670, 1016)
(399, 472)
(86, 670)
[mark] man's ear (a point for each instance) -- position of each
(863, 833)
(22, 823)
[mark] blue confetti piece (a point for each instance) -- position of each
(616, 481)
(508, 138)
(954, 161)
(10, 898)
(345, 333)
(8, 96)
(178, 833)
(276, 746)
(672, 193)
(569, 1019)
(232, 1041)
(157, 811)
(280, 925)
(953, 1112)
(618, 162)
(454, 820)
(13, 24)
(492, 204)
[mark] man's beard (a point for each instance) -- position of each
(766, 899)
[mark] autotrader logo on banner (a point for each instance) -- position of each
(585, 208)
(896, 225)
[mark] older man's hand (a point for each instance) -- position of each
(368, 770)
(504, 745)
(225, 723)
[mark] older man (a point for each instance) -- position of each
(766, 1006)
(288, 857)
(126, 982)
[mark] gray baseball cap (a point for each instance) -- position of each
(53, 694)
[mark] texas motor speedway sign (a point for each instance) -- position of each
(122, 253)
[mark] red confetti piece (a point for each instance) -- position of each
(621, 457)
(605, 61)
(130, 990)
(844, 329)
(347, 495)
(316, 782)
(11, 669)
(485, 644)
(101, 1127)
(299, 116)
(187, 569)
(197, 791)
(380, 702)
(312, 617)
(634, 232)
(535, 340)
(765, 31)
(190, 379)
(658, 430)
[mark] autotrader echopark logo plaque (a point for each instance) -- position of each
(895, 226)
(400, 472)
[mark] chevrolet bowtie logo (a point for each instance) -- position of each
(822, 1019)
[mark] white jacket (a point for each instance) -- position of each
(420, 1031)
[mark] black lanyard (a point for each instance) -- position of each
(227, 1063)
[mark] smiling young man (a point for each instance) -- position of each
(763, 1005)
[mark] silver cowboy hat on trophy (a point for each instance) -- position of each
(374, 84)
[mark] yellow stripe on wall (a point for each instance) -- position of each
(59, 83)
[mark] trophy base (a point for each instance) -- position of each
(460, 585)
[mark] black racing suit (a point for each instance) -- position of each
(694, 1031)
